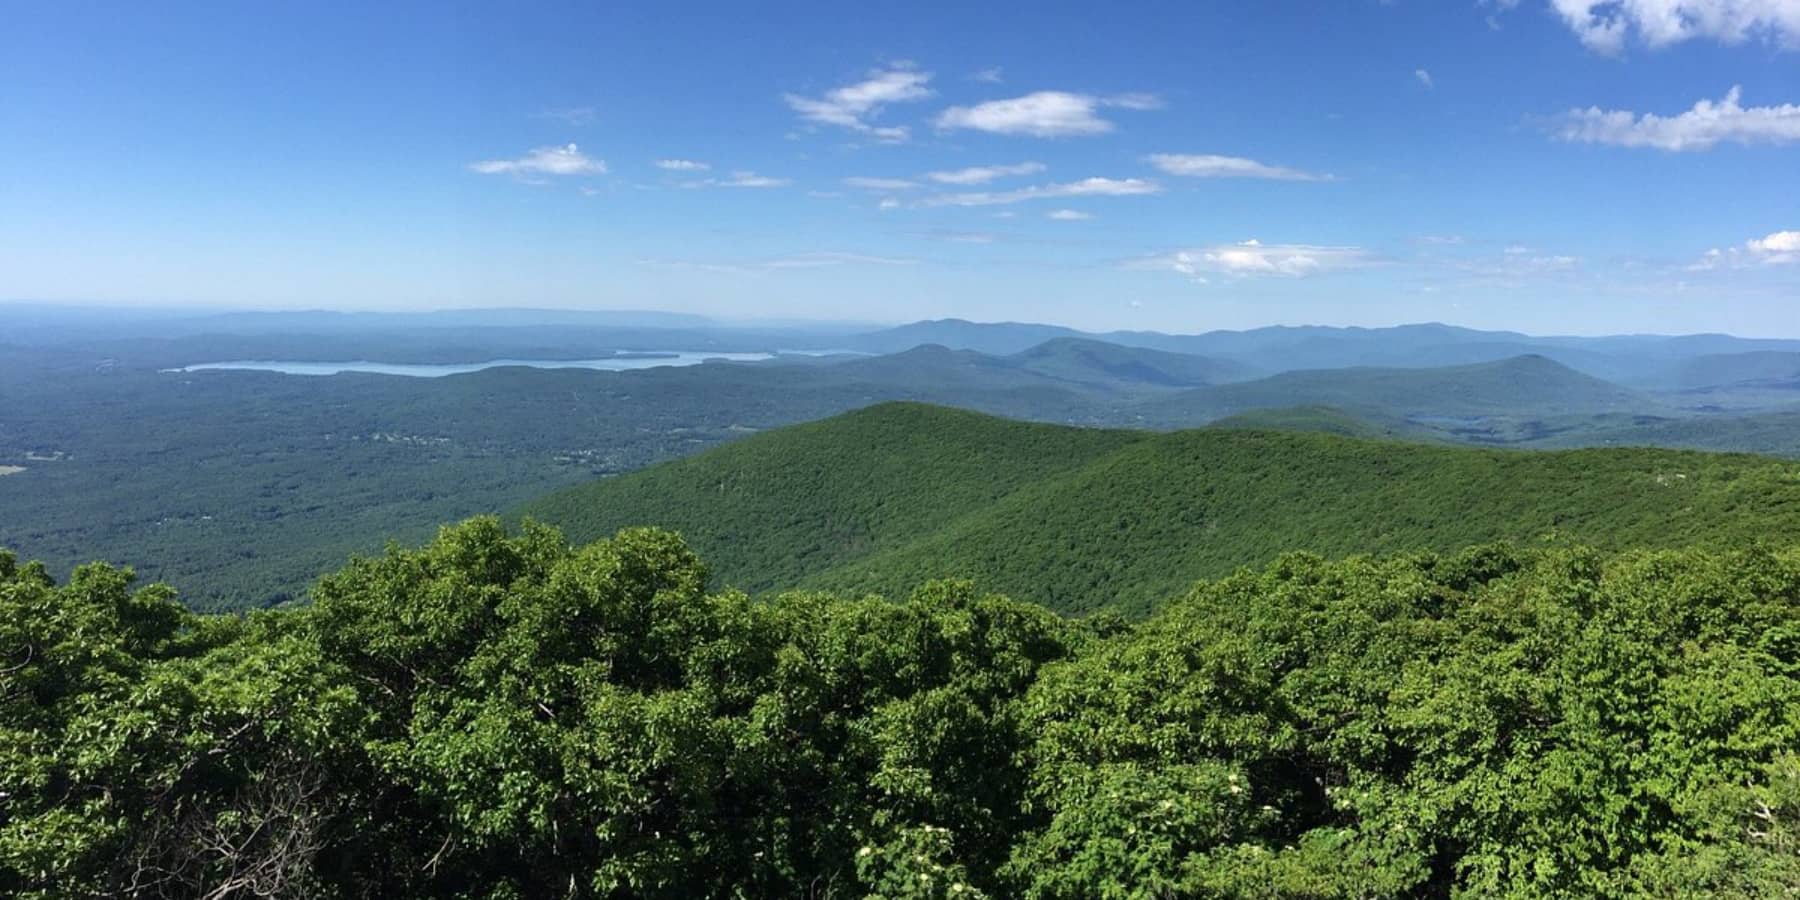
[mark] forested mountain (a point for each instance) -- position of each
(880, 499)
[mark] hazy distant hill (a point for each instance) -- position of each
(882, 498)
(1101, 363)
(1521, 386)
(996, 338)
(1632, 359)
(1764, 367)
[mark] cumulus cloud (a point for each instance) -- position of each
(682, 165)
(984, 174)
(1043, 114)
(1069, 215)
(1708, 123)
(1606, 25)
(1212, 166)
(1087, 187)
(1254, 258)
(1780, 248)
(853, 105)
(564, 160)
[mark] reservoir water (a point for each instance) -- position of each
(436, 370)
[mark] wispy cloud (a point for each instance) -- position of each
(1068, 215)
(1606, 25)
(991, 75)
(853, 105)
(1516, 262)
(564, 160)
(682, 165)
(812, 260)
(1211, 166)
(1424, 78)
(984, 174)
(740, 179)
(959, 237)
(880, 184)
(1087, 187)
(1707, 124)
(1043, 114)
(1254, 258)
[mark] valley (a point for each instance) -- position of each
(243, 485)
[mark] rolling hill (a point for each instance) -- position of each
(881, 499)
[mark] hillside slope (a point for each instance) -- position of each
(884, 498)
(772, 509)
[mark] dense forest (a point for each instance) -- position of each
(504, 715)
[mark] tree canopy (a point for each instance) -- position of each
(502, 714)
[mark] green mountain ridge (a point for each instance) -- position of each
(881, 499)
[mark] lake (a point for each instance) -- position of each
(437, 370)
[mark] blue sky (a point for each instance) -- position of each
(1554, 166)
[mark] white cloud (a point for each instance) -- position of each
(1069, 215)
(1087, 187)
(682, 165)
(984, 174)
(1780, 248)
(1212, 166)
(1043, 114)
(564, 160)
(853, 105)
(1706, 124)
(880, 184)
(888, 203)
(1424, 78)
(989, 75)
(1254, 258)
(1605, 25)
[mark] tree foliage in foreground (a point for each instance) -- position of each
(502, 715)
